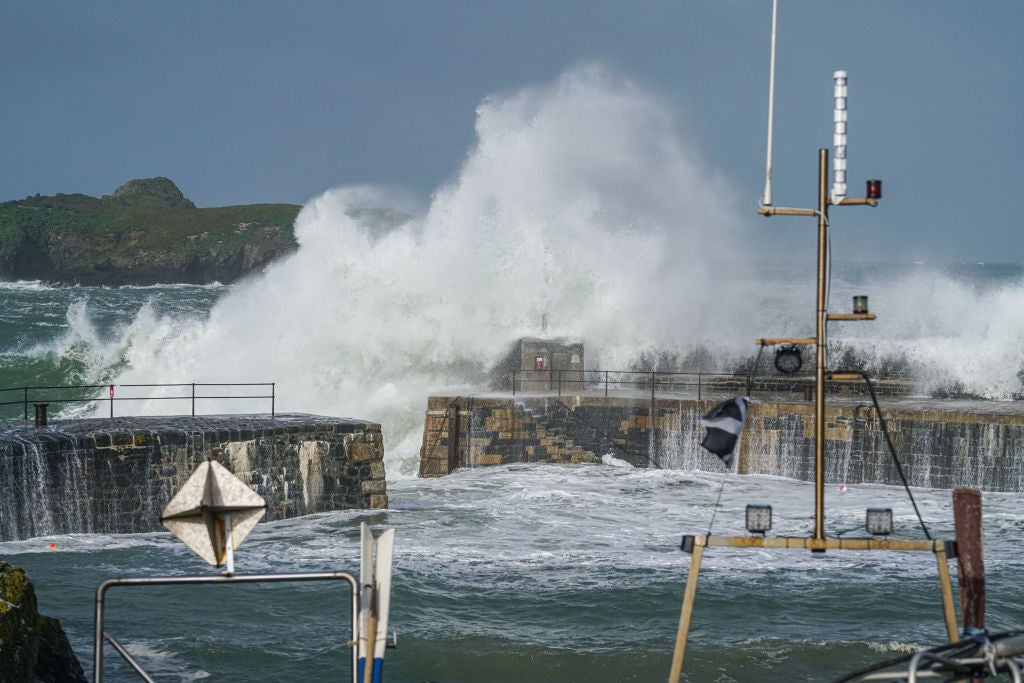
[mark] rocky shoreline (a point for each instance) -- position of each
(33, 647)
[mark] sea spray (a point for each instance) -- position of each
(580, 208)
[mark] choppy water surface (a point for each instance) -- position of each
(538, 573)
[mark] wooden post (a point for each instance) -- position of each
(686, 613)
(971, 564)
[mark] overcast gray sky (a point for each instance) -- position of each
(244, 102)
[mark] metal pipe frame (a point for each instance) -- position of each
(695, 546)
(100, 635)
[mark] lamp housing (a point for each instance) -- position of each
(788, 359)
(759, 518)
(879, 521)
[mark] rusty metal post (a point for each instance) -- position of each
(971, 563)
(40, 414)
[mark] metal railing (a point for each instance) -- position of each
(654, 382)
(45, 395)
(596, 380)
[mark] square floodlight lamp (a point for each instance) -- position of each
(879, 521)
(759, 518)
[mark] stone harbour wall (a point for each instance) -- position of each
(116, 475)
(940, 443)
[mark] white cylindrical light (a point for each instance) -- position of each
(839, 137)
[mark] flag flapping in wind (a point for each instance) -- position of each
(723, 425)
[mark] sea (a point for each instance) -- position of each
(582, 212)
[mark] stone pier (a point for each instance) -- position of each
(941, 443)
(116, 475)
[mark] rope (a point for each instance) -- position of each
(714, 510)
(892, 449)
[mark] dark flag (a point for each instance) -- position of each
(724, 423)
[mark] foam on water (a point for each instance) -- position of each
(582, 211)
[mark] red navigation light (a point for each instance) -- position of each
(874, 189)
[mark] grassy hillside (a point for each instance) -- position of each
(146, 232)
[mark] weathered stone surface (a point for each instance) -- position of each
(116, 475)
(33, 647)
(941, 443)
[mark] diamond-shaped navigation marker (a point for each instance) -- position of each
(211, 506)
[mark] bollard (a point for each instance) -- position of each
(40, 414)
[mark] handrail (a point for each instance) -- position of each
(659, 381)
(550, 379)
(191, 396)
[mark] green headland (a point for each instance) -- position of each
(147, 232)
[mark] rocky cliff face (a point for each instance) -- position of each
(146, 233)
(33, 647)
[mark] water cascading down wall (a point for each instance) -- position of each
(116, 475)
(941, 444)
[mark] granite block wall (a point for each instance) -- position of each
(116, 475)
(941, 444)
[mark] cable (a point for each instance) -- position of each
(892, 449)
(714, 510)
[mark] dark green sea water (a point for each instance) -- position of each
(515, 573)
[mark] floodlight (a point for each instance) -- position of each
(759, 518)
(879, 521)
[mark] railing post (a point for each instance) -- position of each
(699, 385)
(193, 399)
(513, 381)
(273, 395)
(606, 384)
(111, 400)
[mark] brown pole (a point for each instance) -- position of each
(971, 564)
(819, 376)
(686, 613)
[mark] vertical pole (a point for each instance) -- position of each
(819, 377)
(605, 389)
(970, 556)
(946, 586)
(453, 437)
(229, 545)
(97, 644)
(273, 397)
(687, 611)
(651, 441)
(193, 399)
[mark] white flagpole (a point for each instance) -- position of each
(766, 199)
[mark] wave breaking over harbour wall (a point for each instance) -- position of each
(582, 211)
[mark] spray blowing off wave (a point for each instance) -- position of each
(580, 206)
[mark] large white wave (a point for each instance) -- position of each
(580, 212)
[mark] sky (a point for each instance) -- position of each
(260, 101)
